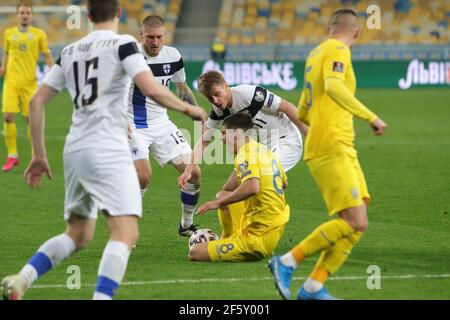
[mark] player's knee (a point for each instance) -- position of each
(81, 239)
(192, 253)
(195, 175)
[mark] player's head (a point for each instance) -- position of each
(153, 33)
(235, 129)
(24, 13)
(100, 11)
(214, 87)
(344, 23)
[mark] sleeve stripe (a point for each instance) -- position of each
(127, 50)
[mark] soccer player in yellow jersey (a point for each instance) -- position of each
(259, 179)
(328, 105)
(22, 45)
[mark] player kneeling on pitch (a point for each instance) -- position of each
(252, 205)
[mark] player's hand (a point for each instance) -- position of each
(37, 167)
(378, 126)
(185, 177)
(210, 205)
(196, 113)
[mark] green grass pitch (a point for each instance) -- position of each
(407, 170)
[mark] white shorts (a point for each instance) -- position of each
(289, 151)
(101, 180)
(164, 141)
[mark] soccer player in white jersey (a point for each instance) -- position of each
(98, 169)
(274, 118)
(152, 130)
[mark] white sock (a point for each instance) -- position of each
(54, 251)
(112, 269)
(312, 285)
(189, 199)
(289, 260)
(101, 296)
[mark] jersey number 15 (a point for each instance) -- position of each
(92, 81)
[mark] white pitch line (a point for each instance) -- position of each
(178, 281)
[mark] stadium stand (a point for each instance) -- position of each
(270, 29)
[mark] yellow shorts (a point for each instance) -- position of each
(13, 93)
(245, 246)
(340, 180)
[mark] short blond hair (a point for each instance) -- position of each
(24, 3)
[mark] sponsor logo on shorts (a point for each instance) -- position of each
(135, 150)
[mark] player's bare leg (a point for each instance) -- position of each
(144, 172)
(78, 234)
(10, 128)
(124, 233)
(189, 196)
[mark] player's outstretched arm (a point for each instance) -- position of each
(247, 189)
(197, 153)
(150, 88)
(185, 93)
(291, 112)
(39, 163)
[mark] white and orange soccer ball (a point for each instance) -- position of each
(202, 235)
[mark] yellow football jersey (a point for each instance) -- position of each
(23, 50)
(331, 125)
(268, 209)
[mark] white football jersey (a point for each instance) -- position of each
(97, 71)
(262, 105)
(167, 66)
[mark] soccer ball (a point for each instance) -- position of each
(202, 235)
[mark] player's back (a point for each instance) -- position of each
(96, 79)
(331, 126)
(267, 209)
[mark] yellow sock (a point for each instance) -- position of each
(230, 218)
(11, 137)
(322, 238)
(332, 259)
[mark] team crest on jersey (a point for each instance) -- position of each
(259, 96)
(166, 68)
(243, 166)
(338, 67)
(23, 47)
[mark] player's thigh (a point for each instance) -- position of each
(10, 98)
(139, 143)
(338, 181)
(171, 145)
(238, 247)
(77, 201)
(361, 179)
(109, 178)
(26, 93)
(271, 239)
